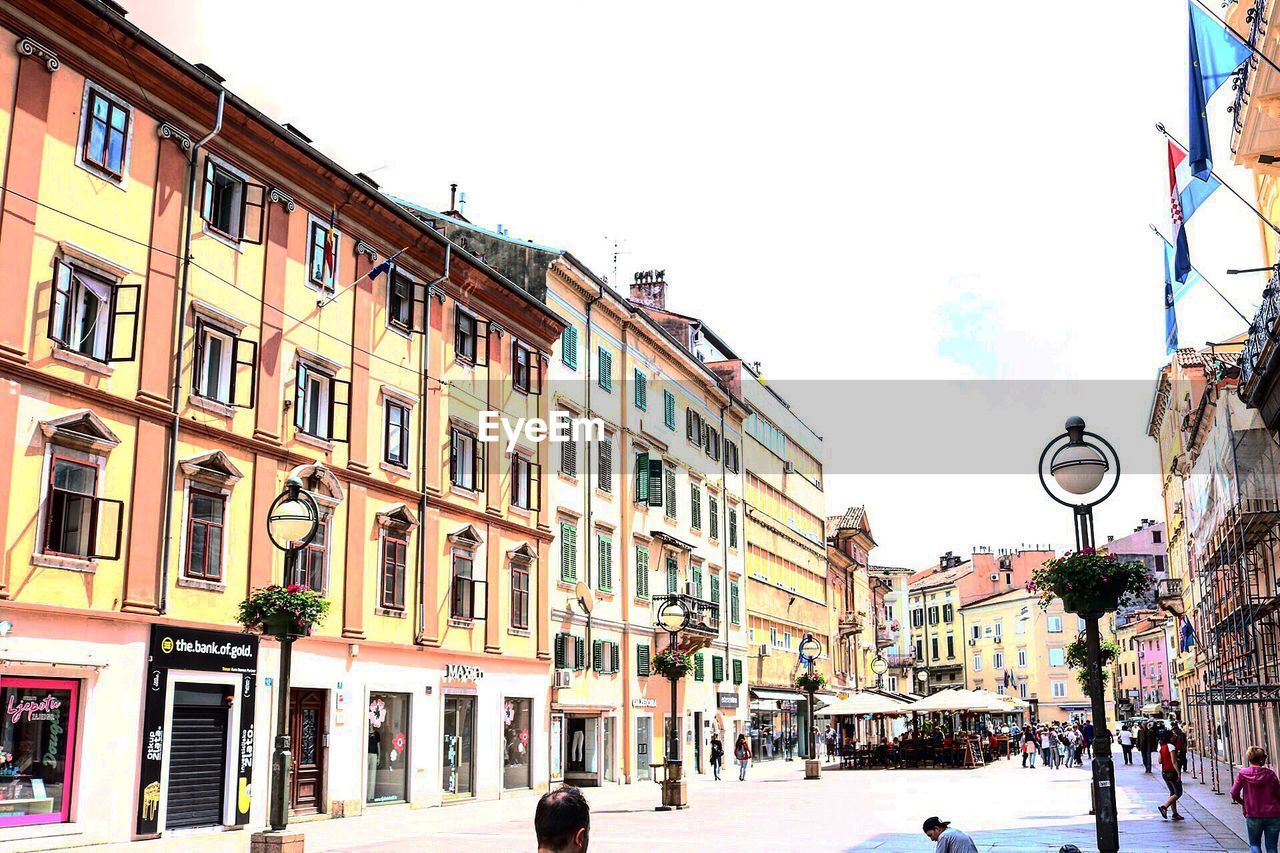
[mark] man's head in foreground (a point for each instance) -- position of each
(562, 821)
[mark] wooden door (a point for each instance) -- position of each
(307, 733)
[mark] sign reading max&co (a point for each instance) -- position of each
(462, 672)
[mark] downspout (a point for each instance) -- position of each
(421, 570)
(724, 543)
(586, 462)
(171, 469)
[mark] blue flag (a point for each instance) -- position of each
(384, 266)
(1215, 56)
(1179, 288)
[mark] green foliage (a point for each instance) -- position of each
(811, 681)
(673, 663)
(299, 606)
(1088, 575)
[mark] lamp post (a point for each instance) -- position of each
(673, 617)
(1079, 463)
(292, 522)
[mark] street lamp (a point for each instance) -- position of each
(1079, 463)
(292, 522)
(673, 617)
(879, 666)
(808, 651)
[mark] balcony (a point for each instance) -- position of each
(851, 622)
(1169, 596)
(1257, 359)
(704, 616)
(900, 659)
(886, 638)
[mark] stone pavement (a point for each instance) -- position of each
(1005, 808)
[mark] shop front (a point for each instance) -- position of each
(585, 754)
(778, 724)
(37, 748)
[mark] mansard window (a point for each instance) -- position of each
(232, 207)
(93, 315)
(104, 134)
(225, 366)
(322, 403)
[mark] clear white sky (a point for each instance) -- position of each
(934, 190)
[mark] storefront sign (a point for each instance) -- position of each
(462, 672)
(38, 730)
(644, 702)
(726, 700)
(175, 648)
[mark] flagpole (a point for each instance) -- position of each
(1243, 39)
(1156, 231)
(1160, 127)
(325, 302)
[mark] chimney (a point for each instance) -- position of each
(650, 289)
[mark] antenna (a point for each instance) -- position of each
(617, 251)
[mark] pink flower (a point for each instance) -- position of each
(293, 587)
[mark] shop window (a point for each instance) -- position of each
(520, 595)
(458, 747)
(526, 368)
(104, 134)
(387, 776)
(37, 749)
(323, 250)
(206, 512)
(78, 523)
(470, 338)
(526, 482)
(396, 440)
(225, 366)
(322, 404)
(395, 550)
(517, 728)
(309, 569)
(232, 206)
(93, 315)
(466, 461)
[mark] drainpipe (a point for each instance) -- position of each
(724, 546)
(171, 472)
(420, 571)
(586, 462)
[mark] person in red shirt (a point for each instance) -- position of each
(1258, 790)
(1172, 778)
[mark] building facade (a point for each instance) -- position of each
(856, 624)
(1147, 544)
(895, 639)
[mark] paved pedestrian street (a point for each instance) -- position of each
(1003, 806)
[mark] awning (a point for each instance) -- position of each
(954, 699)
(781, 695)
(863, 704)
(1154, 708)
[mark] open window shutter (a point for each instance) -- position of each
(477, 464)
(673, 579)
(340, 411)
(579, 653)
(418, 309)
(688, 424)
(535, 487)
(60, 303)
(569, 347)
(655, 482)
(559, 653)
(605, 475)
(715, 589)
(535, 372)
(482, 342)
(453, 456)
(122, 331)
(669, 478)
(642, 478)
(206, 198)
(597, 656)
(197, 375)
(568, 553)
(479, 600)
(642, 571)
(299, 394)
(244, 376)
(569, 457)
(252, 212)
(107, 522)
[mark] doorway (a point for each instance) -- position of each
(582, 739)
(307, 732)
(644, 747)
(198, 755)
(609, 771)
(697, 741)
(459, 746)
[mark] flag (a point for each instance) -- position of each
(329, 269)
(1215, 55)
(1193, 277)
(1008, 679)
(384, 266)
(1170, 315)
(1182, 252)
(1188, 636)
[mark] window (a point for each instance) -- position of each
(233, 208)
(604, 472)
(520, 595)
(786, 637)
(731, 456)
(717, 669)
(78, 523)
(977, 632)
(1155, 537)
(1159, 564)
(773, 637)
(1054, 624)
(464, 588)
(673, 575)
(934, 649)
(1022, 689)
(693, 426)
(669, 490)
(641, 384)
(309, 569)
(919, 649)
(977, 662)
(41, 732)
(225, 366)
(526, 477)
(917, 618)
(604, 363)
(105, 133)
(947, 613)
(569, 455)
(733, 527)
(517, 747)
(205, 518)
(322, 404)
(1057, 657)
(526, 368)
(711, 442)
(568, 552)
(1022, 657)
(604, 562)
(668, 409)
(91, 315)
(695, 580)
(997, 660)
(735, 605)
(951, 646)
(466, 461)
(643, 659)
(737, 671)
(1059, 689)
(642, 571)
(394, 553)
(695, 506)
(604, 657)
(699, 668)
(470, 338)
(400, 301)
(323, 264)
(397, 434)
(1019, 627)
(933, 615)
(715, 589)
(713, 515)
(569, 347)
(999, 632)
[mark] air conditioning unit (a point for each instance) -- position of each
(973, 642)
(764, 650)
(563, 677)
(997, 639)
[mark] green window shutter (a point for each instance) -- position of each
(642, 478)
(642, 660)
(695, 575)
(695, 506)
(699, 671)
(737, 672)
(642, 390)
(605, 573)
(673, 575)
(656, 469)
(597, 656)
(669, 409)
(569, 347)
(713, 516)
(579, 653)
(569, 457)
(605, 365)
(617, 658)
(604, 477)
(717, 668)
(715, 589)
(560, 660)
(733, 528)
(734, 604)
(568, 553)
(642, 572)
(669, 483)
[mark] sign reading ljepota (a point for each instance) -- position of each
(193, 650)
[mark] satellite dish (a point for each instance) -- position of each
(584, 596)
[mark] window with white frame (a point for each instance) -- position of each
(977, 662)
(206, 517)
(1058, 689)
(1057, 657)
(525, 482)
(526, 368)
(396, 439)
(470, 337)
(1022, 657)
(520, 570)
(72, 516)
(395, 550)
(322, 403)
(225, 366)
(92, 313)
(466, 460)
(323, 255)
(310, 567)
(400, 301)
(1053, 624)
(1022, 689)
(106, 123)
(997, 660)
(232, 206)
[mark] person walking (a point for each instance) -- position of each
(1029, 749)
(1146, 745)
(1180, 744)
(1126, 743)
(742, 754)
(717, 754)
(1258, 789)
(1087, 733)
(1172, 778)
(1049, 748)
(1064, 751)
(947, 840)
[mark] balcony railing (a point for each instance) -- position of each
(885, 638)
(1169, 588)
(704, 616)
(850, 622)
(1259, 350)
(900, 659)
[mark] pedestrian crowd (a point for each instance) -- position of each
(1056, 745)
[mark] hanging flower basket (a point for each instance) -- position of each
(283, 611)
(1077, 656)
(673, 663)
(1090, 583)
(811, 682)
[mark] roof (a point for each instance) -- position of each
(891, 570)
(854, 519)
(1016, 594)
(941, 578)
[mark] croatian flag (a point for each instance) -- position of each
(1186, 194)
